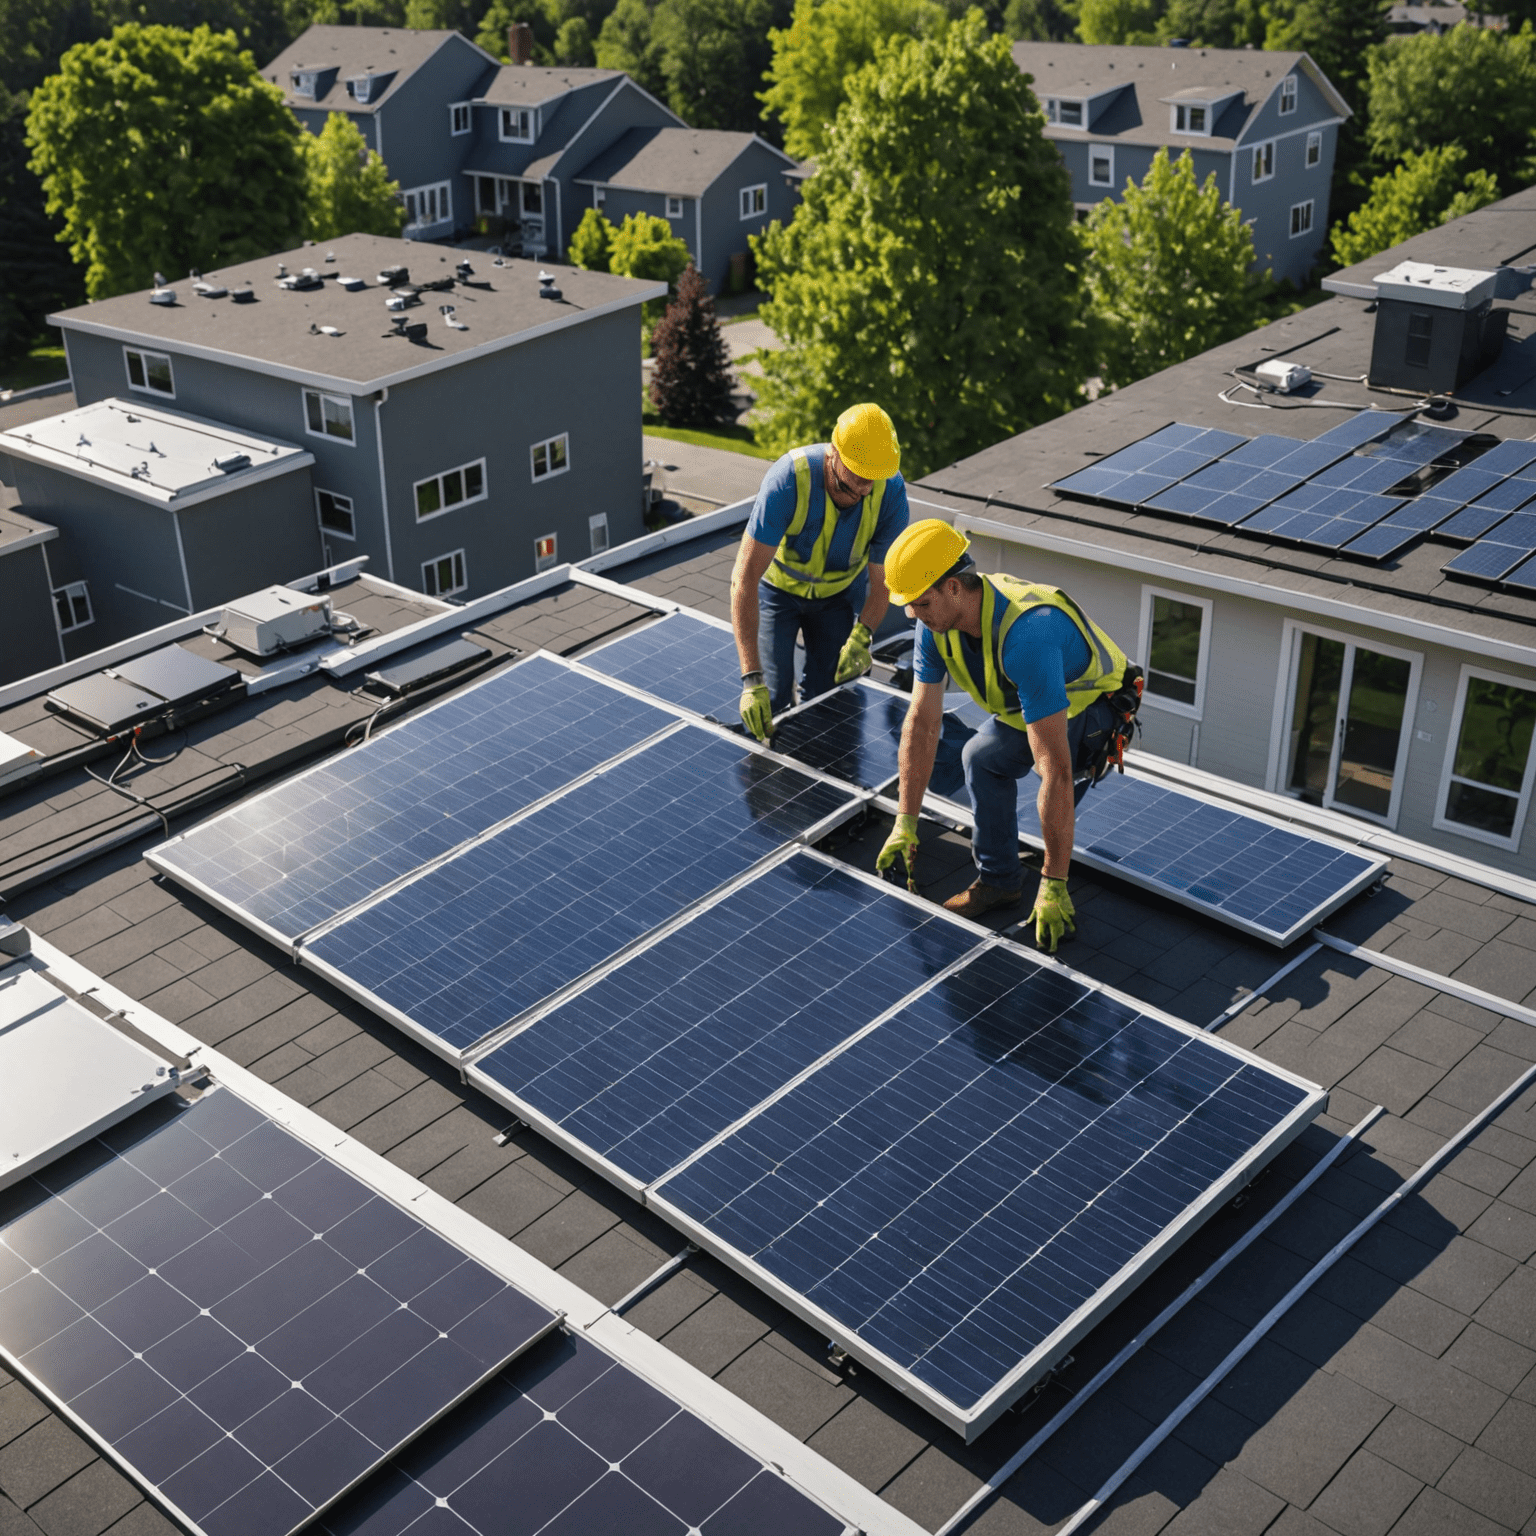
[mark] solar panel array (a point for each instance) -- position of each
(852, 733)
(681, 658)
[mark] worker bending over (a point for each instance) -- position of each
(1045, 672)
(811, 562)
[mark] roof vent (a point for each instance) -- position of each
(351, 284)
(547, 288)
(1436, 327)
(230, 462)
(330, 255)
(243, 296)
(393, 277)
(447, 312)
(464, 271)
(162, 296)
(416, 332)
(302, 282)
(209, 290)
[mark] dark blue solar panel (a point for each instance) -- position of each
(959, 1182)
(1498, 552)
(1386, 538)
(303, 852)
(676, 1044)
(1523, 576)
(570, 1443)
(1320, 514)
(1416, 443)
(479, 939)
(247, 1326)
(680, 659)
(852, 733)
(1362, 474)
(1509, 495)
(1471, 523)
(1357, 430)
(1144, 469)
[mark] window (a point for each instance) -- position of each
(1288, 95)
(518, 125)
(754, 200)
(598, 528)
(328, 415)
(1176, 640)
(1191, 119)
(453, 488)
(335, 514)
(458, 118)
(72, 603)
(1069, 114)
(1101, 166)
(1301, 218)
(1421, 335)
(551, 457)
(545, 552)
(1314, 149)
(428, 205)
(1486, 788)
(1264, 161)
(674, 207)
(304, 83)
(150, 372)
(444, 576)
(533, 197)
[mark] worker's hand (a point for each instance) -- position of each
(1053, 914)
(903, 841)
(756, 707)
(854, 659)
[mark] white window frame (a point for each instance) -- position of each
(458, 570)
(753, 201)
(597, 531)
(563, 439)
(1181, 115)
(1108, 152)
(1306, 221)
(304, 82)
(544, 561)
(460, 112)
(674, 207)
(73, 592)
(523, 122)
(326, 531)
(1447, 774)
(1290, 94)
(1195, 711)
(445, 506)
(439, 194)
(1314, 149)
(145, 358)
(321, 398)
(1263, 167)
(537, 189)
(1285, 705)
(1054, 111)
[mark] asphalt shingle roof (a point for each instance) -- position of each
(684, 162)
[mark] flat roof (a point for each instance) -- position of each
(279, 333)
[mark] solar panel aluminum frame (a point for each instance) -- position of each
(1035, 1367)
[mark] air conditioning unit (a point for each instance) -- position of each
(278, 619)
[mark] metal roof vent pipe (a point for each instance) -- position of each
(547, 288)
(520, 42)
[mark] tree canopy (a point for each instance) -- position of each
(691, 379)
(1167, 272)
(1428, 188)
(592, 243)
(165, 149)
(932, 265)
(1117, 21)
(347, 190)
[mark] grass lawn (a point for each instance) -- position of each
(734, 439)
(43, 365)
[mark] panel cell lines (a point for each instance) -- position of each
(469, 945)
(1321, 515)
(248, 1327)
(959, 1182)
(567, 1442)
(1146, 468)
(1511, 543)
(307, 850)
(852, 733)
(680, 659)
(1358, 430)
(650, 1063)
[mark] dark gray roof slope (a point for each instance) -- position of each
(529, 85)
(353, 51)
(685, 162)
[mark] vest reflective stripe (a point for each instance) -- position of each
(811, 578)
(996, 694)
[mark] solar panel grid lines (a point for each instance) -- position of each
(685, 658)
(242, 1324)
(1148, 467)
(1498, 552)
(1364, 427)
(851, 733)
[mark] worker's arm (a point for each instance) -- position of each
(919, 742)
(854, 659)
(1053, 913)
(878, 601)
(752, 560)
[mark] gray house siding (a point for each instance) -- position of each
(725, 231)
(29, 640)
(419, 146)
(251, 537)
(313, 119)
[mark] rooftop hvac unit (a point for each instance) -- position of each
(1436, 327)
(278, 619)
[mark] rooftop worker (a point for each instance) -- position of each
(1061, 695)
(811, 562)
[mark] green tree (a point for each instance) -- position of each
(1040, 21)
(713, 56)
(1215, 23)
(1118, 21)
(1168, 272)
(932, 264)
(442, 16)
(1469, 87)
(573, 42)
(162, 148)
(691, 380)
(625, 42)
(644, 246)
(1425, 190)
(821, 48)
(347, 188)
(592, 244)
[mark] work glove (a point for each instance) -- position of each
(1053, 914)
(903, 841)
(756, 707)
(854, 659)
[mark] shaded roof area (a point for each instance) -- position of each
(18, 531)
(1399, 1395)
(353, 51)
(685, 162)
(532, 85)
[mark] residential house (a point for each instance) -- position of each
(1265, 124)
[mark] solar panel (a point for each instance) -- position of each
(1358, 430)
(1319, 514)
(1498, 552)
(246, 1326)
(1389, 535)
(682, 659)
(1146, 468)
(569, 1442)
(963, 1190)
(1471, 523)
(1414, 443)
(644, 1067)
(1523, 576)
(1362, 474)
(468, 945)
(1509, 495)
(852, 733)
(318, 843)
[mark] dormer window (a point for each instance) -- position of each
(519, 125)
(304, 81)
(1068, 114)
(1288, 95)
(369, 87)
(1190, 118)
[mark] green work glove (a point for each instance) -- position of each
(854, 659)
(903, 841)
(1052, 915)
(756, 708)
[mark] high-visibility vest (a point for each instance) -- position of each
(811, 578)
(996, 694)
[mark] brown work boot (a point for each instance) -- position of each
(982, 897)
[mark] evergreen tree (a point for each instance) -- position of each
(347, 188)
(1425, 190)
(592, 244)
(691, 380)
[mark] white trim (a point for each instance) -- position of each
(563, 440)
(1195, 711)
(1314, 141)
(516, 114)
(1441, 822)
(439, 194)
(598, 524)
(144, 356)
(454, 108)
(1294, 93)
(1102, 149)
(1306, 228)
(1263, 150)
(674, 206)
(460, 569)
(58, 634)
(378, 443)
(186, 580)
(743, 193)
(68, 591)
(1290, 133)
(321, 396)
(444, 507)
(1191, 107)
(541, 560)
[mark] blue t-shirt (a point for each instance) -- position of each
(774, 510)
(1043, 649)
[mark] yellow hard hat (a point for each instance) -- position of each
(866, 442)
(921, 554)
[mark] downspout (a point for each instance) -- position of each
(559, 220)
(378, 442)
(698, 233)
(186, 580)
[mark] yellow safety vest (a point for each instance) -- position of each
(811, 578)
(1106, 664)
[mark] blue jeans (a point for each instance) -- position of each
(995, 759)
(826, 622)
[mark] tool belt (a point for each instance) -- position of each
(1125, 705)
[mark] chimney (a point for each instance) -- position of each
(520, 42)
